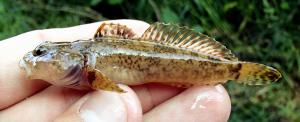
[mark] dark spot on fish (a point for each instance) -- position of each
(213, 58)
(213, 64)
(271, 75)
(189, 61)
(237, 76)
(236, 70)
(164, 69)
(239, 67)
(91, 76)
(85, 59)
(39, 52)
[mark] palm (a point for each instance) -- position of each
(150, 102)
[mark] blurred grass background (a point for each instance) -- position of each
(266, 31)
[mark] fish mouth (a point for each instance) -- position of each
(24, 66)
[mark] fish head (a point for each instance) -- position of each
(54, 63)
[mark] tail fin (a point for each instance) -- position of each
(257, 74)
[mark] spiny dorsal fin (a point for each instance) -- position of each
(114, 30)
(183, 37)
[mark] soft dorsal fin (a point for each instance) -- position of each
(183, 37)
(114, 30)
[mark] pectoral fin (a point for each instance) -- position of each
(99, 81)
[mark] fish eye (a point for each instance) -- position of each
(39, 52)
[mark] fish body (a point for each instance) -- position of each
(166, 54)
(135, 62)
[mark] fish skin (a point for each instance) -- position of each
(137, 62)
(116, 54)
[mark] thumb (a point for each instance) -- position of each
(106, 107)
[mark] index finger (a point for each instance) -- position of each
(13, 85)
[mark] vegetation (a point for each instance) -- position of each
(265, 31)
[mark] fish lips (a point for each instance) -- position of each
(26, 64)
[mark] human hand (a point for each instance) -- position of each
(35, 100)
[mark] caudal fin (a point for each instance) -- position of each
(257, 74)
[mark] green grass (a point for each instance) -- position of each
(264, 31)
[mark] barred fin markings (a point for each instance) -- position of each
(256, 74)
(114, 30)
(183, 37)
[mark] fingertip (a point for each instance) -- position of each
(201, 103)
(87, 31)
(133, 105)
(43, 106)
(225, 106)
(105, 106)
(208, 103)
(151, 95)
(138, 26)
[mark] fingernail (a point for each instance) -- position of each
(103, 106)
(205, 98)
(220, 88)
(196, 104)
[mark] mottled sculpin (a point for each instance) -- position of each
(165, 53)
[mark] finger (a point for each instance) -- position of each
(105, 106)
(151, 95)
(13, 49)
(42, 107)
(87, 31)
(202, 103)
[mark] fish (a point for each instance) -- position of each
(165, 53)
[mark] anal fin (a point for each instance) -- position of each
(178, 84)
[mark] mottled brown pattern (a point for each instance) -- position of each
(167, 71)
(166, 54)
(235, 70)
(145, 46)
